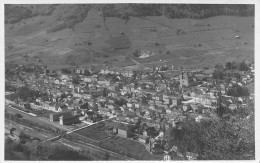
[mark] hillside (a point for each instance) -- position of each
(69, 35)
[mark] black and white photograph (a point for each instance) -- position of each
(129, 81)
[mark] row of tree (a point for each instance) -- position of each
(240, 66)
(196, 11)
(16, 13)
(219, 74)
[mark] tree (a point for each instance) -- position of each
(66, 71)
(219, 66)
(217, 74)
(233, 65)
(75, 80)
(243, 66)
(238, 91)
(220, 111)
(121, 102)
(228, 65)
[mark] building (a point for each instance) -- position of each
(122, 130)
(167, 157)
(207, 100)
(80, 71)
(185, 79)
(56, 116)
(67, 120)
(191, 156)
(143, 139)
(15, 135)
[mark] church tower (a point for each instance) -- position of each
(181, 77)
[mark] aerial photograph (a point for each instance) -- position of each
(129, 82)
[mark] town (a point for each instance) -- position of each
(134, 108)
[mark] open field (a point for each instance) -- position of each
(130, 146)
(93, 132)
(122, 146)
(94, 42)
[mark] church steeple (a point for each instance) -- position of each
(181, 77)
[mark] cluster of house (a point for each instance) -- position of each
(149, 96)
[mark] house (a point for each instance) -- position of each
(167, 157)
(66, 114)
(80, 71)
(113, 94)
(104, 111)
(175, 100)
(129, 88)
(196, 107)
(187, 107)
(94, 92)
(233, 106)
(111, 100)
(122, 130)
(112, 106)
(206, 100)
(137, 105)
(35, 105)
(67, 120)
(143, 139)
(61, 108)
(103, 83)
(157, 98)
(129, 104)
(15, 135)
(191, 156)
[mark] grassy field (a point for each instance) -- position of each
(68, 47)
(95, 132)
(130, 146)
(119, 145)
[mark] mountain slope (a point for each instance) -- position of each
(82, 35)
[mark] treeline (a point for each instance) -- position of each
(16, 13)
(242, 66)
(220, 73)
(26, 94)
(196, 11)
(72, 14)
